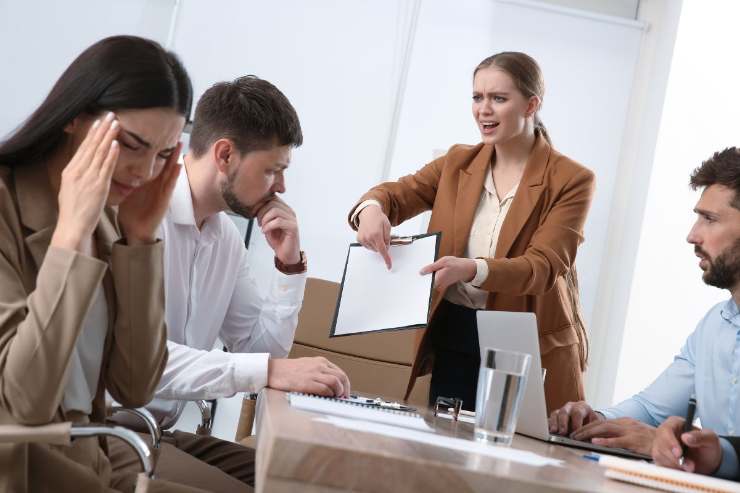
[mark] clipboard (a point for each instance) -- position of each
(404, 295)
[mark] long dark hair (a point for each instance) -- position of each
(116, 73)
(527, 76)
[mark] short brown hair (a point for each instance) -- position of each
(250, 112)
(526, 74)
(723, 168)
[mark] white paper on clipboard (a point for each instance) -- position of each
(372, 298)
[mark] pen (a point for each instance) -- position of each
(687, 425)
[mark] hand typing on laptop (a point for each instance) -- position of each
(626, 433)
(579, 421)
(571, 417)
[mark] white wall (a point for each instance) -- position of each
(700, 116)
(630, 195)
(41, 38)
(620, 8)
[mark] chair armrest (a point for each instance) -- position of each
(146, 416)
(54, 434)
(128, 436)
(206, 425)
(64, 433)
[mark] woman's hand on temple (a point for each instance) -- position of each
(142, 212)
(85, 185)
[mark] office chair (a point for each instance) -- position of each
(64, 433)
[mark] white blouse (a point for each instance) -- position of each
(484, 233)
(83, 372)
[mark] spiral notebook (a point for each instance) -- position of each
(663, 478)
(355, 409)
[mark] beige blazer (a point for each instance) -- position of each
(533, 269)
(44, 296)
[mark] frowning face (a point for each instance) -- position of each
(147, 137)
(500, 110)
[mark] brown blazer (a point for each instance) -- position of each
(533, 269)
(44, 296)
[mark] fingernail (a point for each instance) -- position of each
(114, 124)
(96, 123)
(109, 116)
(114, 144)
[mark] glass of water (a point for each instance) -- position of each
(501, 382)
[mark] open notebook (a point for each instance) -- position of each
(351, 408)
(663, 478)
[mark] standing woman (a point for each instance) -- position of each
(84, 184)
(511, 210)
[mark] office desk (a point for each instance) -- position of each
(296, 453)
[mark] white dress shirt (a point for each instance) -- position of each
(484, 233)
(210, 293)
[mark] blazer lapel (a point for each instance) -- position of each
(37, 206)
(469, 186)
(526, 198)
(105, 235)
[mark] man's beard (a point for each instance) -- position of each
(724, 270)
(237, 206)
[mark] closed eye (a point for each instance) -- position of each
(129, 146)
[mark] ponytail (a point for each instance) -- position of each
(540, 128)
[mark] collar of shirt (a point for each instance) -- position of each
(490, 187)
(182, 213)
(731, 313)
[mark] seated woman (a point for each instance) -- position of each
(84, 183)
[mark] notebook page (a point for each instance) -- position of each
(664, 478)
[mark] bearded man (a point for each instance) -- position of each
(708, 365)
(240, 148)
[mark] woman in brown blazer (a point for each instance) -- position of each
(82, 191)
(511, 210)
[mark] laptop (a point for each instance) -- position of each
(517, 331)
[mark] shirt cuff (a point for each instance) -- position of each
(729, 467)
(250, 371)
(481, 272)
(290, 287)
(356, 215)
(608, 413)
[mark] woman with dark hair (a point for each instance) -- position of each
(84, 184)
(511, 210)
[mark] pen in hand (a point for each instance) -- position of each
(687, 426)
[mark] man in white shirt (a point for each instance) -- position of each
(240, 147)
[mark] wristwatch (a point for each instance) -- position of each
(298, 268)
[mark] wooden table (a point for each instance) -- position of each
(297, 453)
